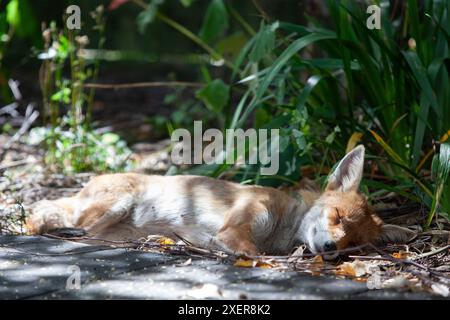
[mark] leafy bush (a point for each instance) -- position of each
(72, 144)
(82, 150)
(388, 88)
(329, 86)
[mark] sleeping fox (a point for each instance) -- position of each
(218, 214)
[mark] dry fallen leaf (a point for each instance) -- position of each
(250, 263)
(245, 263)
(165, 241)
(318, 260)
(264, 264)
(401, 254)
(356, 268)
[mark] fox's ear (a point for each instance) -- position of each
(395, 234)
(348, 173)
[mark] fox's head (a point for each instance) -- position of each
(341, 217)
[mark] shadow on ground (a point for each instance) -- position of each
(42, 268)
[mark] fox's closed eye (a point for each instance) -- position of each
(336, 216)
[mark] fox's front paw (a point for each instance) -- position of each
(240, 250)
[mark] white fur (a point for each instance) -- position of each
(314, 228)
(348, 174)
(164, 211)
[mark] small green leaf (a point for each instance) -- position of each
(441, 172)
(264, 42)
(12, 13)
(232, 45)
(62, 95)
(19, 14)
(215, 95)
(186, 3)
(148, 15)
(420, 74)
(215, 22)
(300, 139)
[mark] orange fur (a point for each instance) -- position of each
(216, 213)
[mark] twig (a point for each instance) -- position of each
(407, 262)
(431, 253)
(10, 109)
(143, 85)
(261, 10)
(14, 164)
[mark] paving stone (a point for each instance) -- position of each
(43, 268)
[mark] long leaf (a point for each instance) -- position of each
(278, 64)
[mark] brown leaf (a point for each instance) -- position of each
(264, 264)
(245, 263)
(250, 263)
(352, 269)
(165, 241)
(401, 254)
(318, 260)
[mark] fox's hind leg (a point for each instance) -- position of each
(49, 215)
(104, 214)
(95, 216)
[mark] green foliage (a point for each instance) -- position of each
(264, 42)
(215, 95)
(391, 85)
(82, 150)
(148, 15)
(185, 111)
(328, 85)
(72, 144)
(20, 16)
(441, 171)
(215, 22)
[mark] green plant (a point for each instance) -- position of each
(72, 144)
(17, 20)
(184, 111)
(329, 85)
(392, 83)
(102, 152)
(211, 39)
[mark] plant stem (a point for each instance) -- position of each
(187, 33)
(241, 20)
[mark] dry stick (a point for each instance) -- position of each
(17, 163)
(53, 254)
(134, 244)
(261, 11)
(192, 247)
(310, 255)
(10, 109)
(408, 262)
(431, 253)
(143, 85)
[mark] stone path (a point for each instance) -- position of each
(42, 268)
